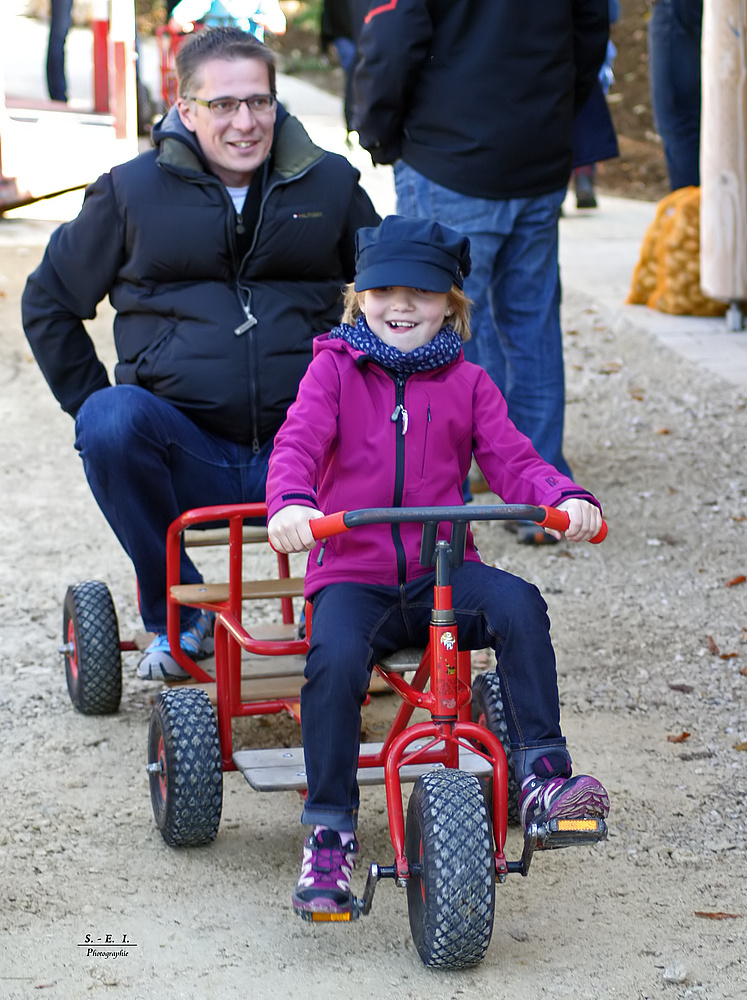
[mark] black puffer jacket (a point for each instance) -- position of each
(478, 95)
(157, 234)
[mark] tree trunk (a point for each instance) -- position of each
(723, 151)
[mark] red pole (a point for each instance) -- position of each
(100, 29)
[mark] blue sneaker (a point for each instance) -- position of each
(157, 663)
(582, 797)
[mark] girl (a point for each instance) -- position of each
(389, 413)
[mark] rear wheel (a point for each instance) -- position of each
(488, 711)
(449, 850)
(185, 768)
(93, 662)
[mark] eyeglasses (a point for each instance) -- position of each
(226, 107)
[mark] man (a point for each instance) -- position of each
(61, 18)
(223, 252)
(473, 103)
(674, 36)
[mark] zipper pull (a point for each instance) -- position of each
(248, 323)
(399, 409)
(240, 229)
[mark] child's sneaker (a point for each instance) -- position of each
(324, 883)
(562, 798)
(157, 663)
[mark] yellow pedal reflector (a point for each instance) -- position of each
(328, 917)
(577, 824)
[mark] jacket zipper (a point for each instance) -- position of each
(401, 418)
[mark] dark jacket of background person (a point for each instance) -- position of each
(492, 117)
(224, 339)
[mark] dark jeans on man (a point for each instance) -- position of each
(59, 26)
(674, 36)
(146, 463)
(354, 625)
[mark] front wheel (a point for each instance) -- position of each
(449, 850)
(185, 768)
(93, 661)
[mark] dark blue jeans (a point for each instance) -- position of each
(354, 625)
(59, 26)
(674, 69)
(146, 463)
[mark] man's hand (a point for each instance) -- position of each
(586, 520)
(289, 529)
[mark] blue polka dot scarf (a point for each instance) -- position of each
(442, 350)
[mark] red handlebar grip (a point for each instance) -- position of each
(559, 521)
(330, 524)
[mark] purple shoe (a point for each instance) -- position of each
(324, 883)
(562, 798)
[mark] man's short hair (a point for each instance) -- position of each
(229, 43)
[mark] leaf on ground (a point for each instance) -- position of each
(662, 430)
(684, 735)
(712, 647)
(684, 688)
(637, 394)
(717, 915)
(728, 656)
(736, 581)
(743, 671)
(610, 368)
(740, 746)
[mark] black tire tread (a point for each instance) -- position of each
(452, 927)
(487, 700)
(98, 688)
(190, 814)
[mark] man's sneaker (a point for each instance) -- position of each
(158, 664)
(324, 883)
(562, 798)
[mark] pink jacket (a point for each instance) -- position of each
(400, 443)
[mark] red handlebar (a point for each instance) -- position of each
(559, 521)
(334, 524)
(329, 524)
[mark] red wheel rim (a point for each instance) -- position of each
(420, 862)
(72, 656)
(162, 779)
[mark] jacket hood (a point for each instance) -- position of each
(292, 149)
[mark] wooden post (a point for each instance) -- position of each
(723, 156)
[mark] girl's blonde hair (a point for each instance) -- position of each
(456, 300)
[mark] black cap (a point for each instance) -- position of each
(412, 253)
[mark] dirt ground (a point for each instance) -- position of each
(651, 634)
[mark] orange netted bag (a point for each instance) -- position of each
(667, 276)
(646, 273)
(678, 250)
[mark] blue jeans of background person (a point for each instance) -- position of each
(355, 625)
(514, 286)
(146, 463)
(59, 26)
(674, 35)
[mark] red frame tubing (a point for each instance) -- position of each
(230, 635)
(466, 733)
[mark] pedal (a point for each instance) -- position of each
(558, 833)
(568, 833)
(322, 917)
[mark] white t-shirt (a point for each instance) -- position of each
(238, 197)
